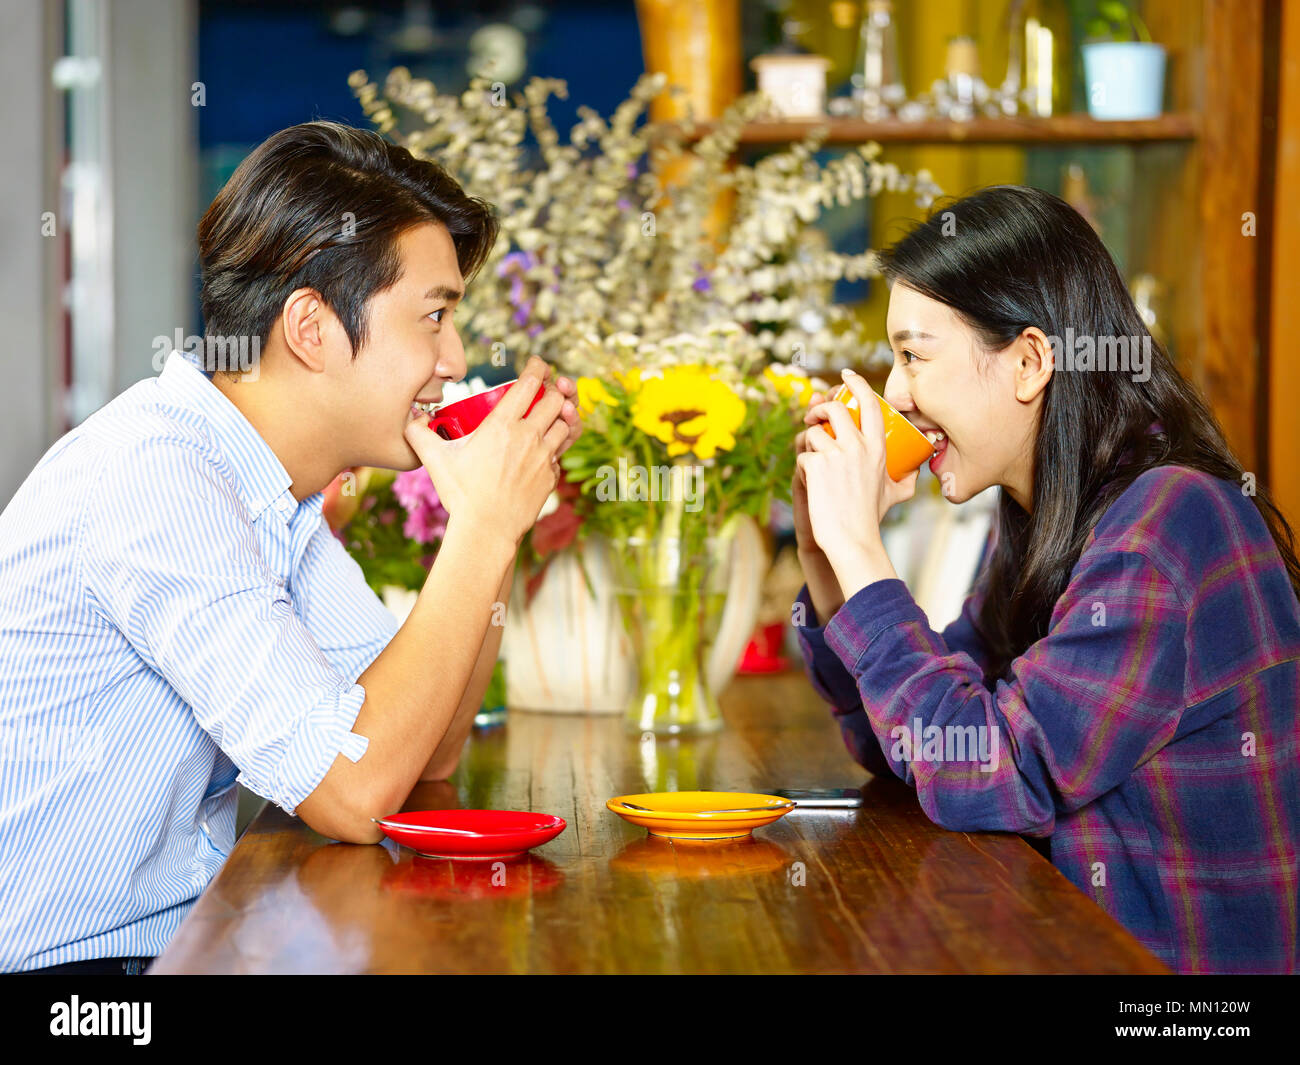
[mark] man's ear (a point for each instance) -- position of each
(1034, 363)
(306, 324)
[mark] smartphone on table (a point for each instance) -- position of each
(822, 798)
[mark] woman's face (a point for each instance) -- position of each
(986, 405)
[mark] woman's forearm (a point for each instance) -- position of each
(823, 587)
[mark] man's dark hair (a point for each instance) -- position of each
(321, 205)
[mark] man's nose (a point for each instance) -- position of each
(451, 355)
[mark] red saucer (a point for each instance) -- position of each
(474, 835)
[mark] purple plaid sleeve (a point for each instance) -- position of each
(1002, 767)
(836, 685)
(1151, 733)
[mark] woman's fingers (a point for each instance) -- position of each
(840, 420)
(816, 413)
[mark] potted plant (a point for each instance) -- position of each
(1124, 71)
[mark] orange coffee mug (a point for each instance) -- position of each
(906, 447)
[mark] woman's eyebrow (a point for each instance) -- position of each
(904, 335)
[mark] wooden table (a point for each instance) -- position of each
(875, 890)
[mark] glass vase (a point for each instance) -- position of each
(671, 590)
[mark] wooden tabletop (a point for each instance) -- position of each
(876, 890)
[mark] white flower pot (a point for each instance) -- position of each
(1124, 79)
(400, 601)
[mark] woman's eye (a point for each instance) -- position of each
(907, 358)
(439, 312)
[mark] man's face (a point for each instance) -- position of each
(412, 349)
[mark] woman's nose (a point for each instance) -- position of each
(896, 392)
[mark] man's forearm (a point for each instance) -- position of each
(416, 684)
(445, 758)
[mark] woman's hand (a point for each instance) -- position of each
(848, 490)
(805, 541)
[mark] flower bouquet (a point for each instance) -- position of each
(690, 296)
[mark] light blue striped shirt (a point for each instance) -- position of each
(172, 621)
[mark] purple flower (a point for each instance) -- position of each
(425, 525)
(426, 517)
(414, 488)
(523, 260)
(523, 313)
(623, 203)
(702, 284)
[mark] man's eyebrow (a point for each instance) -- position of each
(444, 292)
(904, 335)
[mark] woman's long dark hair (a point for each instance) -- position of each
(1005, 259)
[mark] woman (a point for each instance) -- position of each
(1124, 680)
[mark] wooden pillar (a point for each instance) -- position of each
(1283, 365)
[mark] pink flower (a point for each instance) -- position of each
(426, 517)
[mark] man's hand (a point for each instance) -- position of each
(500, 476)
(569, 391)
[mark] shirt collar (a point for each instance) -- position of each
(263, 480)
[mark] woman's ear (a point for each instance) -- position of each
(1034, 363)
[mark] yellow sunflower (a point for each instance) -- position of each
(591, 390)
(689, 410)
(790, 381)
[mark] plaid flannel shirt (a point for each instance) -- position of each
(1151, 735)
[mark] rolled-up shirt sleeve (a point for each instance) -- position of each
(168, 556)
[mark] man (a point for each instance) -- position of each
(176, 615)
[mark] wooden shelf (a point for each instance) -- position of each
(1060, 129)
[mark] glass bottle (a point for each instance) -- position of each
(877, 83)
(962, 70)
(1039, 63)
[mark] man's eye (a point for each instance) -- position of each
(440, 312)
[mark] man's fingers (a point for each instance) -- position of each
(548, 408)
(555, 436)
(521, 394)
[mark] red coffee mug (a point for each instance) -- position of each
(465, 415)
